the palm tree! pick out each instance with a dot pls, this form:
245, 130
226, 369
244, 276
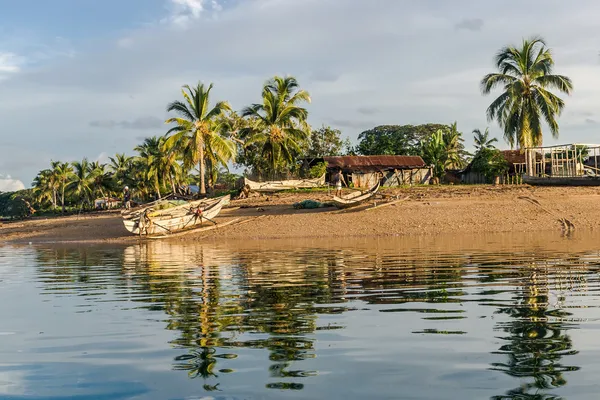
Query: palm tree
197, 131
280, 127
482, 140
454, 148
63, 172
148, 155
526, 76
82, 181
45, 188
121, 166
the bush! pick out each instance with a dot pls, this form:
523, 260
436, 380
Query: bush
490, 163
15, 205
317, 170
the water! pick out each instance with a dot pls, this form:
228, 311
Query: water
486, 317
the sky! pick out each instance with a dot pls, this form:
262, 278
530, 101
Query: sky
88, 78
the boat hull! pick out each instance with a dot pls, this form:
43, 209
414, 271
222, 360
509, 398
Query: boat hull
274, 186
562, 181
175, 219
355, 199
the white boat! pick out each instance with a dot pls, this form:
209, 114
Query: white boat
355, 198
165, 218
273, 186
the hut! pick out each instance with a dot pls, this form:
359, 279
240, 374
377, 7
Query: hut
365, 171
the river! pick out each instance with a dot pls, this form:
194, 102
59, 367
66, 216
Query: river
453, 317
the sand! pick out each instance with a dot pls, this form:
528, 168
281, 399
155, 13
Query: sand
425, 211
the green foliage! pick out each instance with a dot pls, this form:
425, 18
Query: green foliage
396, 139
433, 152
525, 74
16, 205
317, 170
197, 134
325, 141
444, 150
278, 129
490, 163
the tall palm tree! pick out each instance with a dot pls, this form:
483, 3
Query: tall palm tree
280, 127
45, 187
197, 131
482, 140
526, 77
148, 156
121, 166
454, 148
82, 181
63, 172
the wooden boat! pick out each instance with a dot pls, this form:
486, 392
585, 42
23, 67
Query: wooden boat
562, 181
274, 186
154, 219
355, 198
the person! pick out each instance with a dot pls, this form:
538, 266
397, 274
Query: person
126, 197
338, 178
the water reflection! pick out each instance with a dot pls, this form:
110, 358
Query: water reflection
264, 315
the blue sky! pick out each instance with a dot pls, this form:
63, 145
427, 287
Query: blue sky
87, 78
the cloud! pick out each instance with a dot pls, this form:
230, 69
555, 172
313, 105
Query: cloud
591, 121
367, 110
324, 76
184, 12
9, 64
470, 24
7, 184
347, 123
406, 61
143, 123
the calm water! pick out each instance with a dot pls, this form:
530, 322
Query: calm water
463, 318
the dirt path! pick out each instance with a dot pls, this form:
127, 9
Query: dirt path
425, 211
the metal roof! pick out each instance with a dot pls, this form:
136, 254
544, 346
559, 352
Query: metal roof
374, 162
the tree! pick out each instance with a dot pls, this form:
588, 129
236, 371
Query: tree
526, 77
433, 151
63, 172
454, 150
198, 132
279, 128
396, 139
489, 162
82, 181
482, 140
325, 141
121, 166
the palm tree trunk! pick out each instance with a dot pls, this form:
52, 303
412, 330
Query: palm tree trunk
202, 167
62, 198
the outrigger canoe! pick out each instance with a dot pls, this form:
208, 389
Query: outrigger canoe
274, 186
355, 198
166, 217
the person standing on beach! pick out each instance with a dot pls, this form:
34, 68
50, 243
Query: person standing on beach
126, 197
337, 179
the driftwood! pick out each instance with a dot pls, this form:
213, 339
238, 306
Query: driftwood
390, 203
567, 225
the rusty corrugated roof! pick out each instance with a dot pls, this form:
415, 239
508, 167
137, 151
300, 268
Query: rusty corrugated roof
517, 156
374, 162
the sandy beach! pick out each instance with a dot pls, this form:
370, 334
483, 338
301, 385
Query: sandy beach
423, 211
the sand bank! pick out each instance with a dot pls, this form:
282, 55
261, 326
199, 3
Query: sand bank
427, 211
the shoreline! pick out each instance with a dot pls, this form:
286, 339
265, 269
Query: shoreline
426, 211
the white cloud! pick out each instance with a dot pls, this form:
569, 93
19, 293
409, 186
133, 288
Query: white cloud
7, 184
9, 64
184, 12
398, 63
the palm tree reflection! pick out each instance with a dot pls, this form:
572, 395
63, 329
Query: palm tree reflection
536, 341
